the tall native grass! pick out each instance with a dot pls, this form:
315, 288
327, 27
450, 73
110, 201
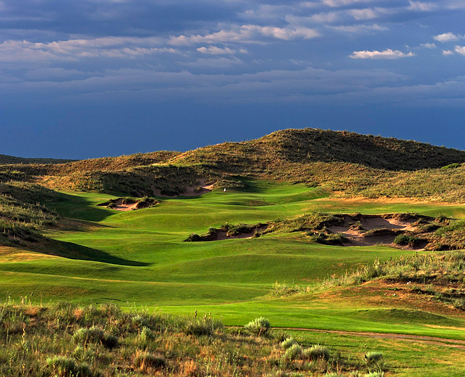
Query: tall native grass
69, 340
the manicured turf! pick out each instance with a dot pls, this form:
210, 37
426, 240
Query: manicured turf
138, 258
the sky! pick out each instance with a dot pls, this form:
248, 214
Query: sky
93, 78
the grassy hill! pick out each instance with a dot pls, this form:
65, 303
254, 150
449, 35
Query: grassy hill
5, 159
314, 145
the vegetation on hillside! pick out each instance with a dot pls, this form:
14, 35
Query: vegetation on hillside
4, 159
71, 341
436, 276
343, 163
22, 211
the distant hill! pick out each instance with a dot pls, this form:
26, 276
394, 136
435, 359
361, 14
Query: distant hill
315, 145
338, 161
7, 160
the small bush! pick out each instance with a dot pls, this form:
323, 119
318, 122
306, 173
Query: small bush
375, 360
406, 240
95, 335
146, 334
65, 367
330, 239
146, 360
194, 237
202, 327
316, 352
289, 342
82, 354
139, 321
293, 352
259, 326
109, 341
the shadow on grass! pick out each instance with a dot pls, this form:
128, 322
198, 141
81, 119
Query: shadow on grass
80, 208
71, 250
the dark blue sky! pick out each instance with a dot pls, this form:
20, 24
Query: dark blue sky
91, 78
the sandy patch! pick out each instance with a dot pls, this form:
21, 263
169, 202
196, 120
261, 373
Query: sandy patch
119, 206
355, 230
122, 204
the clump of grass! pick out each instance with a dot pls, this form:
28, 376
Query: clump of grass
259, 326
146, 360
329, 239
202, 327
95, 335
293, 352
146, 334
407, 240
66, 367
375, 361
287, 343
316, 352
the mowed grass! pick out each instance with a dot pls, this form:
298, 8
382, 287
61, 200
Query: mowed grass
139, 259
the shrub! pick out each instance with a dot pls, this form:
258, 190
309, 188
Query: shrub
406, 240
202, 327
293, 352
259, 326
139, 321
82, 354
146, 334
109, 341
331, 239
289, 342
147, 360
95, 335
316, 352
375, 360
65, 367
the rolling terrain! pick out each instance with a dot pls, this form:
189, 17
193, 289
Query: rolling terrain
277, 203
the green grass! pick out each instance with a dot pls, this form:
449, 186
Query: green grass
138, 259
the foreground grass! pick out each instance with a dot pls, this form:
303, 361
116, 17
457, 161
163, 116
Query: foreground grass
68, 340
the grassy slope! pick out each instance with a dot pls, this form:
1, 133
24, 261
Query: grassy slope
138, 258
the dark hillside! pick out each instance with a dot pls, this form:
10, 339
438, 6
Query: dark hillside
314, 145
4, 159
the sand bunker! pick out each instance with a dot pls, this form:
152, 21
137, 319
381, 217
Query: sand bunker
195, 190
128, 204
224, 233
366, 230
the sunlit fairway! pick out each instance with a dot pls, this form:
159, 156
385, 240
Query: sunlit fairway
139, 259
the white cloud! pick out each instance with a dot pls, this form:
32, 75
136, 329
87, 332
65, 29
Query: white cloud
455, 4
421, 7
246, 33
386, 54
288, 33
447, 52
364, 14
430, 46
214, 50
74, 49
360, 28
322, 17
342, 3
460, 50
446, 37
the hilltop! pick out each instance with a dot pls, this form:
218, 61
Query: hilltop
314, 145
5, 159
338, 161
